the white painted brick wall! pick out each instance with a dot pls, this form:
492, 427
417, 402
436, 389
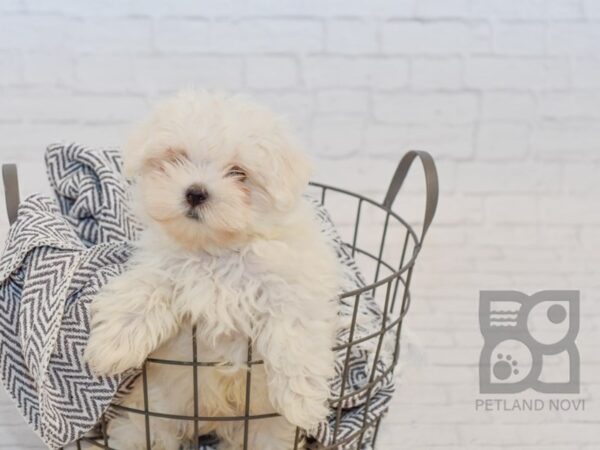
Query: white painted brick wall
504, 93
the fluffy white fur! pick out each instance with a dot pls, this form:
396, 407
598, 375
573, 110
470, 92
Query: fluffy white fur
249, 262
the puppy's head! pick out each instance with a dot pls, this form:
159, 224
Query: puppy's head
214, 170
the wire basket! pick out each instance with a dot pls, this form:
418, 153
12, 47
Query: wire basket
388, 256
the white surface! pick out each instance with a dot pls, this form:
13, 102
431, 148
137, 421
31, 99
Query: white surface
504, 93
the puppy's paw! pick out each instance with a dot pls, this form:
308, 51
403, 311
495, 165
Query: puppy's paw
302, 401
306, 413
109, 353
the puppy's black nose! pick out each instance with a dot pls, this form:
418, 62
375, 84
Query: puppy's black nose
196, 195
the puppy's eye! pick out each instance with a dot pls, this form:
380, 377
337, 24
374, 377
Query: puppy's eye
175, 156
237, 172
168, 157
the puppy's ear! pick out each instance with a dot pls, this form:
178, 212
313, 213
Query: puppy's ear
283, 172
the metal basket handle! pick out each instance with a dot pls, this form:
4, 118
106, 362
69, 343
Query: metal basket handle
431, 182
11, 190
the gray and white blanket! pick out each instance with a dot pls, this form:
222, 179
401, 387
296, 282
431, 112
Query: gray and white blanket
58, 255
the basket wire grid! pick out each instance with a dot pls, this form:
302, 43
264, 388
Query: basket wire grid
385, 287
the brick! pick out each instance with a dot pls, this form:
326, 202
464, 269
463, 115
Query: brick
386, 140
359, 174
590, 235
351, 36
261, 35
468, 338
10, 70
443, 9
424, 395
482, 434
342, 101
436, 339
519, 38
507, 106
111, 35
443, 141
564, 235
388, 73
586, 73
337, 136
556, 141
454, 357
21, 437
447, 235
501, 9
458, 210
565, 9
55, 69
36, 106
76, 8
581, 178
271, 72
448, 414
591, 9
574, 38
43, 33
168, 73
435, 37
182, 8
518, 73
449, 108
341, 72
569, 105
385, 8
417, 435
502, 141
452, 375
482, 178
12, 6
297, 108
436, 73
182, 36
511, 209
551, 434
331, 8
105, 73
59, 106
108, 109
28, 142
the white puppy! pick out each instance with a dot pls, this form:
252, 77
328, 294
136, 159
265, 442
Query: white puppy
231, 247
